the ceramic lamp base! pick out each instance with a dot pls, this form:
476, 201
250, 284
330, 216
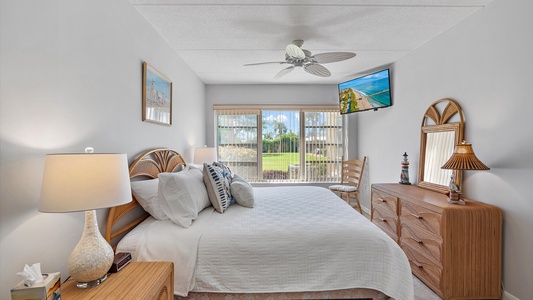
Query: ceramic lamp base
93, 256
90, 284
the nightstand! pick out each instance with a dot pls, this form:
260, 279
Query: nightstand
138, 280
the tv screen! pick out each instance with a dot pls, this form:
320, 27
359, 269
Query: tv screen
371, 91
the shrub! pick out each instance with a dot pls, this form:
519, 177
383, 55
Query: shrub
237, 154
275, 174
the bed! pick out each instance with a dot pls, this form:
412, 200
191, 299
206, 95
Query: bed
296, 242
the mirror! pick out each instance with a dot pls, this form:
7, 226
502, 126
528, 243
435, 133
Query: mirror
439, 135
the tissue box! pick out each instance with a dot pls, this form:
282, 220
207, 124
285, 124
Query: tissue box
49, 289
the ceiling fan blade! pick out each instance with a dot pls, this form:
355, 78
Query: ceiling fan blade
295, 51
264, 63
298, 43
317, 70
329, 57
284, 72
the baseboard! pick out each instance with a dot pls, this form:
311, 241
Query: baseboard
508, 296
365, 210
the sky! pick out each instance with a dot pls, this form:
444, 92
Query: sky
291, 119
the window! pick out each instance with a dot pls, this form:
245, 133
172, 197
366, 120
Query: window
281, 145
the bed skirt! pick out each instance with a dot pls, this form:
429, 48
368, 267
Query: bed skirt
357, 293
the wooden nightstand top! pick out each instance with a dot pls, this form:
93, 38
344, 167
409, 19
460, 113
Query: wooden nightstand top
138, 280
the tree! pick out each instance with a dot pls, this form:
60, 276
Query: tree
289, 142
279, 127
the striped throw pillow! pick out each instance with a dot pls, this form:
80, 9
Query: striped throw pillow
217, 180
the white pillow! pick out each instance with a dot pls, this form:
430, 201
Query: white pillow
182, 196
146, 193
242, 191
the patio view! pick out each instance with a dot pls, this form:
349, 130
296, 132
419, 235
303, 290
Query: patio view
281, 145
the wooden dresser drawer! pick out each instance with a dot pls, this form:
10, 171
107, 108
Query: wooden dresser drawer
425, 269
384, 213
385, 202
422, 217
386, 222
421, 241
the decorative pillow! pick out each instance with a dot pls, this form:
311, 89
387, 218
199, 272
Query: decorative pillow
242, 191
226, 172
182, 196
217, 179
146, 193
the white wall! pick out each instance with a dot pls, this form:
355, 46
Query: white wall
70, 78
485, 64
273, 94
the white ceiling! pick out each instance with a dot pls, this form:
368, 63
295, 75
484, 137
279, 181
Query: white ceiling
216, 38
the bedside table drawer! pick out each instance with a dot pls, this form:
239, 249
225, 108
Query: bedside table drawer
163, 287
137, 280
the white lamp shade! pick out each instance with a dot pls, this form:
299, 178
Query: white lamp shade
204, 155
79, 182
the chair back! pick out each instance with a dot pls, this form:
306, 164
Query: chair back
352, 171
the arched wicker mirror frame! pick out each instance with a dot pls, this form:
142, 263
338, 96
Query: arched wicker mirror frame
441, 120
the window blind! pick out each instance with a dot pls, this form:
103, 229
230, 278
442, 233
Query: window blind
284, 144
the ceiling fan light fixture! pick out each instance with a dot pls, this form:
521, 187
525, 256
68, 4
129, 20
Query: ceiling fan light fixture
295, 51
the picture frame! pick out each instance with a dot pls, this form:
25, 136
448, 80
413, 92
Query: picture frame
156, 96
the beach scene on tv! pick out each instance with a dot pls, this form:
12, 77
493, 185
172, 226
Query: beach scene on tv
368, 92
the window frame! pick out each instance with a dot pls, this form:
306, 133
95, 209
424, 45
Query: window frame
301, 109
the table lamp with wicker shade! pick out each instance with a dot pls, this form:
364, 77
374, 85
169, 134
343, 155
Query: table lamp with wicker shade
463, 158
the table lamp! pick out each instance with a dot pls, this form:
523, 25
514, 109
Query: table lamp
204, 155
85, 182
463, 158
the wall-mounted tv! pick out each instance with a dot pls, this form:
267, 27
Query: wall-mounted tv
368, 92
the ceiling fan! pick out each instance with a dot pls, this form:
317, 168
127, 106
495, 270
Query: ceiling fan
298, 57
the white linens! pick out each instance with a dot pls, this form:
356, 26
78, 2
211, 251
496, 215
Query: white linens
294, 239
155, 240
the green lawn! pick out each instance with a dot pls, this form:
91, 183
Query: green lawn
281, 161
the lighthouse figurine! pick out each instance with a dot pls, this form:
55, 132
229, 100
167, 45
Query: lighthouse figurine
404, 176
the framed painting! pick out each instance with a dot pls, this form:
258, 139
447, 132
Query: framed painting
157, 96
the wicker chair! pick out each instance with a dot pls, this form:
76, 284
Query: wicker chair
352, 172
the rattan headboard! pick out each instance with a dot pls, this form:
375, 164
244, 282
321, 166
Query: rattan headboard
148, 165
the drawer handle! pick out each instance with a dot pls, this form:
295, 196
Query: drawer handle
417, 216
417, 240
383, 220
382, 199
418, 264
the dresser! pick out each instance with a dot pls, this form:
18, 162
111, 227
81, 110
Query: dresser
138, 280
456, 250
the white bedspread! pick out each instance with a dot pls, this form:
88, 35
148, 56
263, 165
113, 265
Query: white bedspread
294, 239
